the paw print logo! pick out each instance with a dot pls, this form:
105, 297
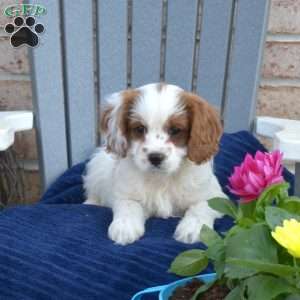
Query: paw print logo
24, 31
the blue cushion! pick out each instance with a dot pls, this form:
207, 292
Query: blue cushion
58, 249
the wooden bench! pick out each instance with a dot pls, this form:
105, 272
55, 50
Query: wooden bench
93, 48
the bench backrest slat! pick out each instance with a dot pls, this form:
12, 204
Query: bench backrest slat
79, 79
213, 56
49, 97
146, 37
180, 41
244, 64
112, 46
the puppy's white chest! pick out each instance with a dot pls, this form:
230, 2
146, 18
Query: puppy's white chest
165, 200
159, 204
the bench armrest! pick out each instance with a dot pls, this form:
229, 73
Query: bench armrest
285, 134
11, 122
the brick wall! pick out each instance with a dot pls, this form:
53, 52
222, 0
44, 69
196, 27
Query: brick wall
15, 94
278, 95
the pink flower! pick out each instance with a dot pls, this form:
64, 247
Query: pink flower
256, 174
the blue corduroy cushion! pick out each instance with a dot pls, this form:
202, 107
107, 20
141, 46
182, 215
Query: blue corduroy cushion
58, 249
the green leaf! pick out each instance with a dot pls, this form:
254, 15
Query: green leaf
215, 248
189, 263
264, 287
235, 294
209, 236
275, 216
293, 297
246, 209
233, 230
259, 266
254, 243
270, 192
291, 204
245, 222
216, 253
203, 289
284, 257
224, 206
268, 196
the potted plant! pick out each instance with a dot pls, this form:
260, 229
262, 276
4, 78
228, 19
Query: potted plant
259, 257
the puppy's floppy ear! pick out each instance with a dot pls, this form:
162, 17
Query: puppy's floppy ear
104, 119
114, 121
206, 128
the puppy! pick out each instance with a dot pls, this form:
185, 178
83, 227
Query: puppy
157, 161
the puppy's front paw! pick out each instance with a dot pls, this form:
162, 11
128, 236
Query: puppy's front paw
124, 231
188, 230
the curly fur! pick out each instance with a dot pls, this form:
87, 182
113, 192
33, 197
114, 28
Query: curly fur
136, 124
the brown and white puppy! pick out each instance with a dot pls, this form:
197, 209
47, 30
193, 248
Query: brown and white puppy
157, 161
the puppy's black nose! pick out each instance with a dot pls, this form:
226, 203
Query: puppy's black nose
156, 158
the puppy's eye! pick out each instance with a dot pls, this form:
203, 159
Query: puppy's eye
174, 130
140, 129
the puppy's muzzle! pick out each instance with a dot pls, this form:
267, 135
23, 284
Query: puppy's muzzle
156, 158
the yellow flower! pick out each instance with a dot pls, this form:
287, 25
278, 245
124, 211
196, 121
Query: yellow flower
288, 236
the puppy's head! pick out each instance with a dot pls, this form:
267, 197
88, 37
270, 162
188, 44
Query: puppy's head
159, 125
